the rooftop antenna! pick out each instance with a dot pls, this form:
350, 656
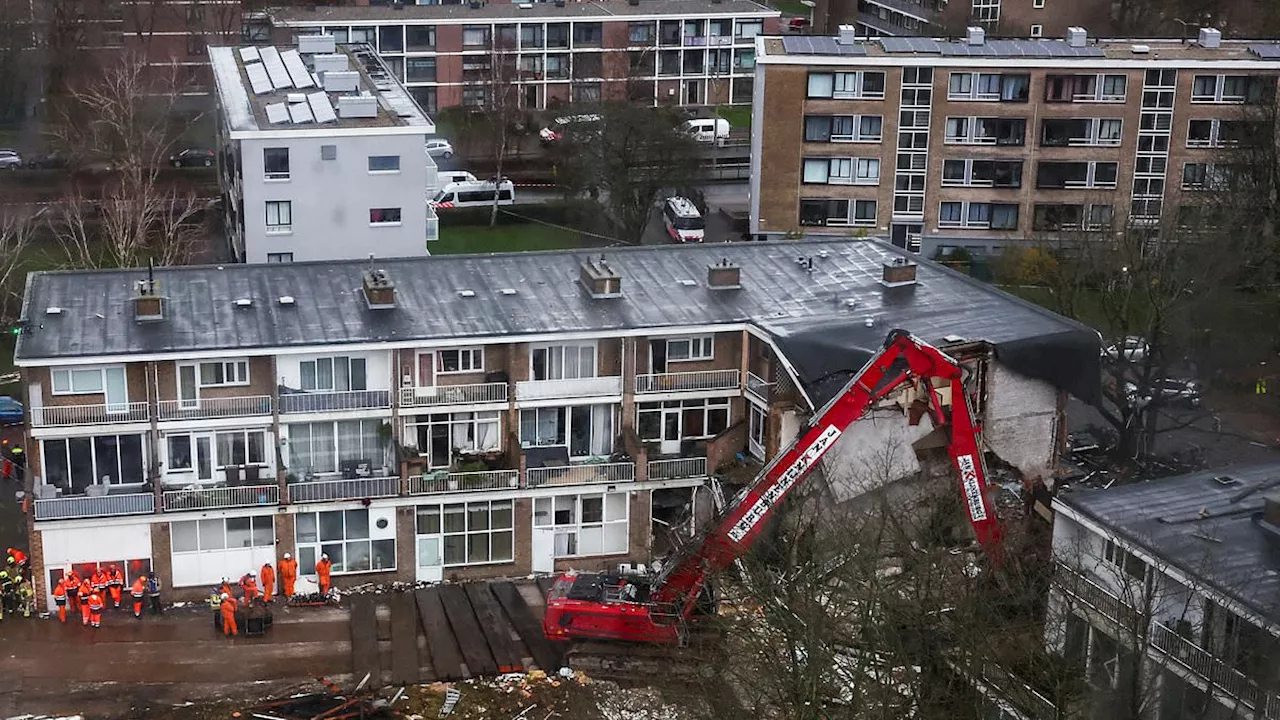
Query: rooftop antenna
151, 276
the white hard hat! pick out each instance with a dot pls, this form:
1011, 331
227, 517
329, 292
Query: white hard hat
287, 556
324, 556
225, 596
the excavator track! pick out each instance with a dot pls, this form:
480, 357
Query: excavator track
630, 662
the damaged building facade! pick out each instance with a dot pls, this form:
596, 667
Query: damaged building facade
475, 416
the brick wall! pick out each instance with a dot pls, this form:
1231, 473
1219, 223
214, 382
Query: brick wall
724, 447
262, 381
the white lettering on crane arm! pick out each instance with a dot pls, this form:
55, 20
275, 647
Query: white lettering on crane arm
773, 494
972, 487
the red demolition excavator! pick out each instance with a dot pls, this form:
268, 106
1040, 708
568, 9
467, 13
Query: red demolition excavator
655, 609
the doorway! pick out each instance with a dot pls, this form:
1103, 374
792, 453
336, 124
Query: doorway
670, 444
657, 356
906, 235
692, 96
430, 561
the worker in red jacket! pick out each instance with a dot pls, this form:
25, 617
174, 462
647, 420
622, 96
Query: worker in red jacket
323, 570
115, 584
228, 609
96, 603
268, 582
60, 598
86, 589
138, 589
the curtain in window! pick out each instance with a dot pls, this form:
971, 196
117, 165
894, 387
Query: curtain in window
462, 431
487, 431
601, 430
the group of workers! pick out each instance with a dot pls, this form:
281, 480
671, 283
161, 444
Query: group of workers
16, 593
251, 593
90, 594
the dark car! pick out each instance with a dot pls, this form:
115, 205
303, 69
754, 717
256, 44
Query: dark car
11, 411
193, 157
48, 161
1173, 391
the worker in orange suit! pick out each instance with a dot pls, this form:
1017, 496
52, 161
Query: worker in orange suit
228, 608
323, 570
288, 575
96, 603
115, 583
73, 589
268, 582
249, 587
99, 582
86, 590
60, 598
225, 588
138, 589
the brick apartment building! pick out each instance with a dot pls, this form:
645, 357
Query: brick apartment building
979, 143
472, 416
683, 52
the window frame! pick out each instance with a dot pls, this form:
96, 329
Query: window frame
69, 387
282, 209
317, 547
277, 175
382, 159
474, 360
701, 348
349, 361
422, 514
578, 523
550, 349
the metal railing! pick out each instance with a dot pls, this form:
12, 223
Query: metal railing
580, 474
203, 498
1210, 668
308, 402
214, 407
434, 483
453, 395
99, 414
433, 224
678, 468
1017, 691
1105, 602
572, 387
758, 387
345, 489
87, 506
686, 381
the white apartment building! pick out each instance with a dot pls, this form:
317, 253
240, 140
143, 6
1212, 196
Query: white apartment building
321, 155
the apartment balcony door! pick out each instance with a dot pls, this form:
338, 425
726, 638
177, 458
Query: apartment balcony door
670, 444
657, 356
426, 369
116, 390
692, 96
430, 561
188, 389
203, 461
543, 550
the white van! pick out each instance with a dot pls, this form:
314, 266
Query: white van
447, 177
708, 130
474, 194
682, 220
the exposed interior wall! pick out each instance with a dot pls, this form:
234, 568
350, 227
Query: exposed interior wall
1021, 421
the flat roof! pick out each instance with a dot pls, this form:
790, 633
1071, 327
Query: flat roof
250, 109
616, 10
1205, 529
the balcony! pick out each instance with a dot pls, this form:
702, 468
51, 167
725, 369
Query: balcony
344, 489
212, 408
101, 414
225, 497
90, 506
312, 402
453, 395
447, 482
1212, 671
1090, 593
433, 224
569, 388
678, 468
590, 474
758, 387
687, 381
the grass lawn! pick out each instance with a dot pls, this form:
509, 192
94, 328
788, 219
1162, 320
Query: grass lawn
739, 116
8, 137
502, 238
792, 7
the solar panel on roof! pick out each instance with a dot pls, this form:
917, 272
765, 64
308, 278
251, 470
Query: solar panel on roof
248, 54
297, 69
909, 45
819, 45
277, 113
1011, 48
1266, 52
275, 68
300, 113
321, 108
258, 78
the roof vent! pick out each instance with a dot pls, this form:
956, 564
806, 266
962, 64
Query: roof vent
1226, 480
314, 44
600, 279
333, 62
898, 272
848, 35
467, 293
508, 291
1140, 49
286, 300
1077, 37
357, 106
724, 275
53, 310
1210, 38
975, 35
379, 291
147, 303
296, 97
244, 302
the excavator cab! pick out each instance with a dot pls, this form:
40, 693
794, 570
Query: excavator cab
602, 587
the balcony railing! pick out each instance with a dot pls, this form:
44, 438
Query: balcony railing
215, 407
433, 225
88, 506
1212, 670
598, 473
570, 388
758, 387
453, 395
309, 402
694, 467
345, 489
1107, 603
432, 484
204, 498
101, 414
686, 381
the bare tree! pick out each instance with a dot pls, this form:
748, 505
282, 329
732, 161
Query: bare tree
501, 109
18, 229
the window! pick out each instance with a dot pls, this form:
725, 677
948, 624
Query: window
748, 29
982, 173
985, 131
687, 349
330, 374
562, 362
843, 128
474, 36
1004, 216
1071, 217
224, 372
275, 163
542, 426
1085, 88
279, 216
841, 171
283, 257
1132, 565
391, 39
1059, 175
591, 524
472, 533
587, 430
978, 214
384, 163
1009, 87
1081, 131
986, 11
693, 419
384, 216
323, 447
420, 37
866, 85
1228, 88
640, 32
1038, 4
192, 536
419, 69
1037, 30
87, 381
343, 535
440, 436
240, 447
460, 360
530, 36
836, 213
587, 34
76, 463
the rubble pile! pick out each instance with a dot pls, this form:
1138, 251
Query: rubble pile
637, 704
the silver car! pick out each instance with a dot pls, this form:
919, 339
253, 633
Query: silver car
10, 160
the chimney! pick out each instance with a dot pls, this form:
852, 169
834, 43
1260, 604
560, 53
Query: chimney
1210, 38
147, 303
848, 35
976, 35
379, 291
599, 279
898, 272
1077, 37
724, 275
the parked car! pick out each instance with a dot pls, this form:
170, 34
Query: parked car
1173, 391
796, 24
10, 159
439, 148
708, 130
48, 161
193, 157
445, 177
11, 411
1133, 348
556, 130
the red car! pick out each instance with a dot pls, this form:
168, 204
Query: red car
796, 24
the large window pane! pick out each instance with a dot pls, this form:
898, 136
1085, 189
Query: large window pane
107, 454
384, 554
357, 524
334, 551
477, 516
501, 544
454, 549
455, 520
239, 533
264, 534
306, 528
184, 536
357, 556
429, 520
478, 548
212, 535
331, 526
501, 516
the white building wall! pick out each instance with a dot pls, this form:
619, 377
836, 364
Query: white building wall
1021, 420
377, 368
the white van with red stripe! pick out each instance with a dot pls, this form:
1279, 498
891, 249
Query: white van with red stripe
474, 194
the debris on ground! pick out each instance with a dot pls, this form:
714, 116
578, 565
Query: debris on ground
333, 703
